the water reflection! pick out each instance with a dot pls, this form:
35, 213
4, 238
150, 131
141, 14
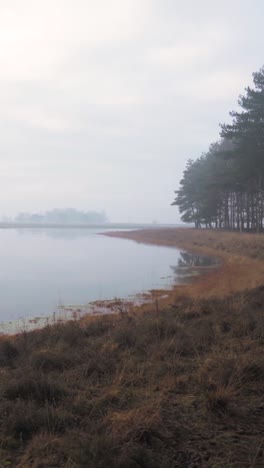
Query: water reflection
60, 233
188, 260
52, 271
70, 233
190, 265
42, 269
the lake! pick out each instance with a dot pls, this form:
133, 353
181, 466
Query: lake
43, 269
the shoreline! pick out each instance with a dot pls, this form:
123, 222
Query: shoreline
140, 300
235, 273
241, 256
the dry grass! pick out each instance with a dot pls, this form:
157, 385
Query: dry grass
178, 386
201, 240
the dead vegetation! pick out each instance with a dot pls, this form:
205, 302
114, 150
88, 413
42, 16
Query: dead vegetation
203, 240
173, 386
179, 388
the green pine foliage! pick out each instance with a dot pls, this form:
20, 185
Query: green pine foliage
224, 188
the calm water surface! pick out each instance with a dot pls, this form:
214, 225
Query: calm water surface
43, 269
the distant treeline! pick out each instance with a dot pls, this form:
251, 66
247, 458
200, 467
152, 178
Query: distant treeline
61, 216
224, 188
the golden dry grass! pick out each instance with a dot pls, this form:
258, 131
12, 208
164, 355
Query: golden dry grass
182, 388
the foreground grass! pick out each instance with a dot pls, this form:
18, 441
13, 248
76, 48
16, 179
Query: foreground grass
177, 387
180, 388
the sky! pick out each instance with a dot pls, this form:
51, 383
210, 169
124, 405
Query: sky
103, 102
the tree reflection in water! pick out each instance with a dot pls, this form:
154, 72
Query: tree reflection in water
190, 265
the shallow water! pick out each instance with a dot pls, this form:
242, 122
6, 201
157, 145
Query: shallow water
42, 269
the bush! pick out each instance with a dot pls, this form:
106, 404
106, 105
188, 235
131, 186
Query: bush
44, 450
125, 336
34, 388
24, 419
98, 327
51, 360
218, 401
72, 334
98, 367
8, 352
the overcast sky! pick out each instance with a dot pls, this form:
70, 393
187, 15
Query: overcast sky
103, 102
